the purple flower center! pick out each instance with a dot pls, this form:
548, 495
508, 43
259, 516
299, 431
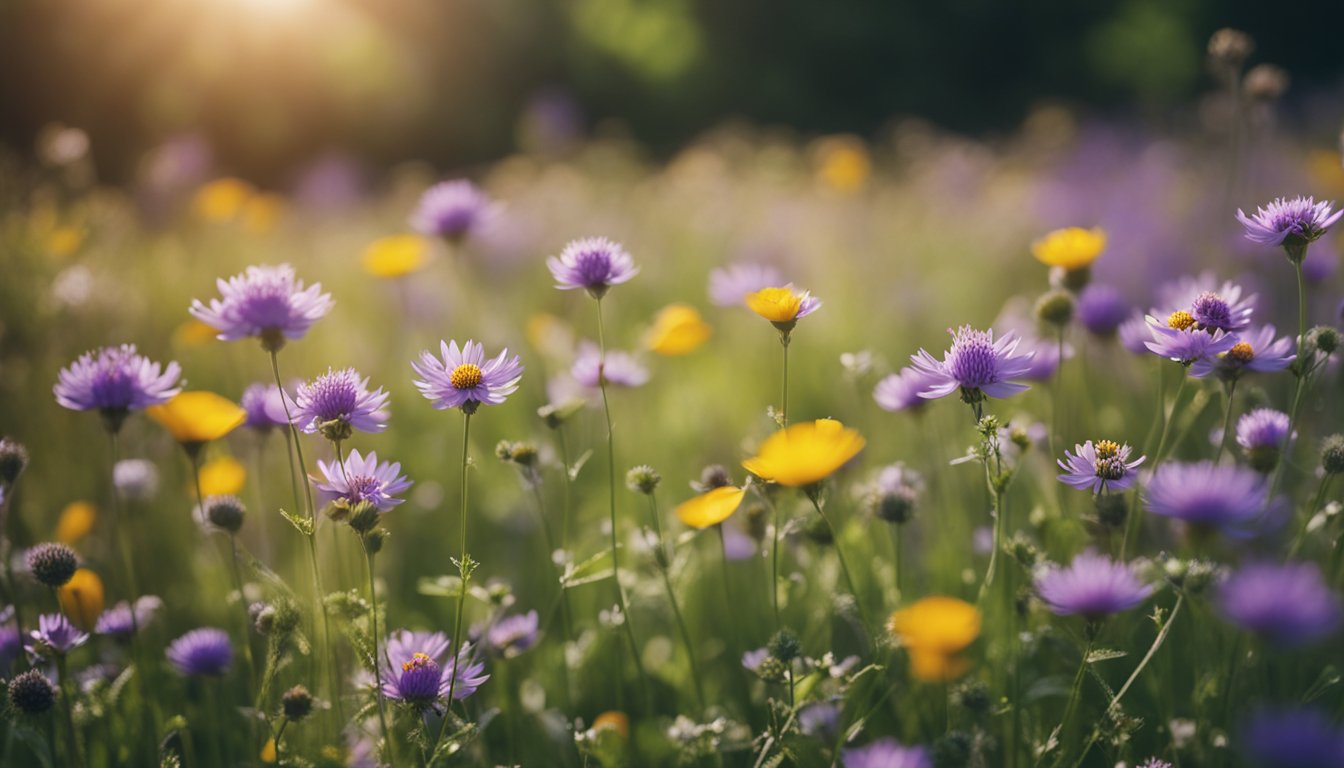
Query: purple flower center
267, 304
594, 267
419, 679
334, 396
973, 360
113, 386
1211, 311
364, 488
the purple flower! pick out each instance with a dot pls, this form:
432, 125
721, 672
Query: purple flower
1262, 434
266, 302
1134, 334
1291, 223
1213, 312
1288, 604
11, 640
119, 622
338, 401
512, 635
820, 719
1102, 309
55, 635
976, 364
1092, 585
1044, 358
1185, 293
1300, 738
752, 660
887, 753
900, 391
464, 379
1101, 467
1182, 342
594, 264
1207, 494
729, 286
363, 479
618, 368
116, 381
202, 652
413, 672
452, 210
265, 407
1256, 351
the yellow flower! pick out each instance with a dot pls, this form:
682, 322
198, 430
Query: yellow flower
1071, 248
678, 329
395, 256
805, 453
193, 333
76, 521
195, 418
223, 476
613, 720
936, 630
268, 752
710, 508
261, 213
843, 163
778, 305
222, 199
82, 599
63, 241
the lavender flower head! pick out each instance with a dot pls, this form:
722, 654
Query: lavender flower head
363, 479
1256, 351
1180, 339
119, 622
976, 364
752, 660
594, 264
1302, 738
267, 302
265, 407
618, 368
1185, 294
136, 479
414, 671
1207, 494
338, 402
1093, 586
1289, 604
1134, 334
512, 635
1102, 309
820, 719
729, 286
1262, 434
55, 636
1104, 466
886, 753
900, 391
452, 210
115, 381
202, 652
464, 378
1292, 224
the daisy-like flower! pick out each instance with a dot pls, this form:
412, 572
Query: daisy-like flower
711, 507
1071, 249
464, 378
1093, 586
451, 210
267, 302
119, 621
1104, 466
512, 635
935, 630
1101, 309
1256, 351
1213, 312
1299, 738
1184, 294
591, 368
339, 402
413, 671
1292, 224
55, 636
783, 306
196, 418
1134, 334
1179, 340
594, 264
202, 652
677, 330
886, 753
1207, 494
805, 453
1288, 604
115, 381
977, 365
265, 408
1262, 434
900, 391
729, 286
363, 479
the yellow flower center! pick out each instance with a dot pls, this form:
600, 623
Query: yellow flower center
465, 376
417, 660
1181, 320
1107, 449
778, 305
1241, 352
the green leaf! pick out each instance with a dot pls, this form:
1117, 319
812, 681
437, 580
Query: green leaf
301, 523
440, 586
35, 742
1104, 654
578, 465
595, 568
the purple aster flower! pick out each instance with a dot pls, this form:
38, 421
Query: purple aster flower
55, 635
730, 285
1288, 604
820, 719
900, 391
1300, 738
1205, 299
265, 407
1212, 312
1256, 351
413, 672
594, 264
119, 622
115, 381
1101, 467
1134, 334
264, 301
1093, 585
11, 641
752, 660
1102, 309
337, 402
1207, 494
618, 368
202, 652
136, 479
464, 378
887, 753
451, 210
363, 479
1044, 358
976, 364
1180, 341
512, 635
1263, 434
1290, 223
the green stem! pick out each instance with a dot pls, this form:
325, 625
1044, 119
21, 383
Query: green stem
1073, 701
1303, 371
247, 620
1135, 512
463, 568
784, 395
840, 555
378, 669
1227, 421
67, 710
676, 610
1311, 512
564, 593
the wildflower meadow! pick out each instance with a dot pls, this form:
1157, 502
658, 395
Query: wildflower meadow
902, 451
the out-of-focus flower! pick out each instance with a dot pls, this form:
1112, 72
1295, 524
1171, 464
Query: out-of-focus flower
512, 635
805, 453
1289, 604
413, 670
193, 333
1134, 334
678, 329
892, 495
1298, 738
935, 630
594, 264
976, 364
464, 378
222, 513
363, 479
31, 693
1179, 340
395, 256
782, 306
202, 652
843, 163
119, 621
1104, 466
613, 721
591, 368
222, 476
196, 418
451, 210
267, 302
76, 521
1071, 248
900, 391
115, 381
265, 406
1292, 224
338, 402
82, 599
1256, 351
222, 199
711, 507
262, 213
1093, 586
136, 479
1207, 494
730, 286
55, 635
1263, 433
1102, 309
887, 753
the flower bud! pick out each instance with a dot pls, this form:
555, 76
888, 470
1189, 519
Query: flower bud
13, 460
296, 703
711, 477
225, 512
1332, 454
52, 564
643, 479
31, 693
1055, 308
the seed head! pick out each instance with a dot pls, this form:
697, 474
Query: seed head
225, 512
1055, 308
643, 479
13, 460
297, 703
1332, 455
52, 564
32, 693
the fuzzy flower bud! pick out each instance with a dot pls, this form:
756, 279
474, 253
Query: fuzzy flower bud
225, 512
32, 693
785, 645
52, 564
1332, 454
1055, 308
297, 703
13, 460
1228, 48
642, 479
711, 477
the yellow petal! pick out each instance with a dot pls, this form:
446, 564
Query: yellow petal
222, 199
76, 521
934, 667
805, 453
82, 599
678, 329
937, 624
613, 720
1070, 248
395, 256
198, 417
778, 305
710, 508
63, 241
843, 163
223, 476
194, 333
268, 752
